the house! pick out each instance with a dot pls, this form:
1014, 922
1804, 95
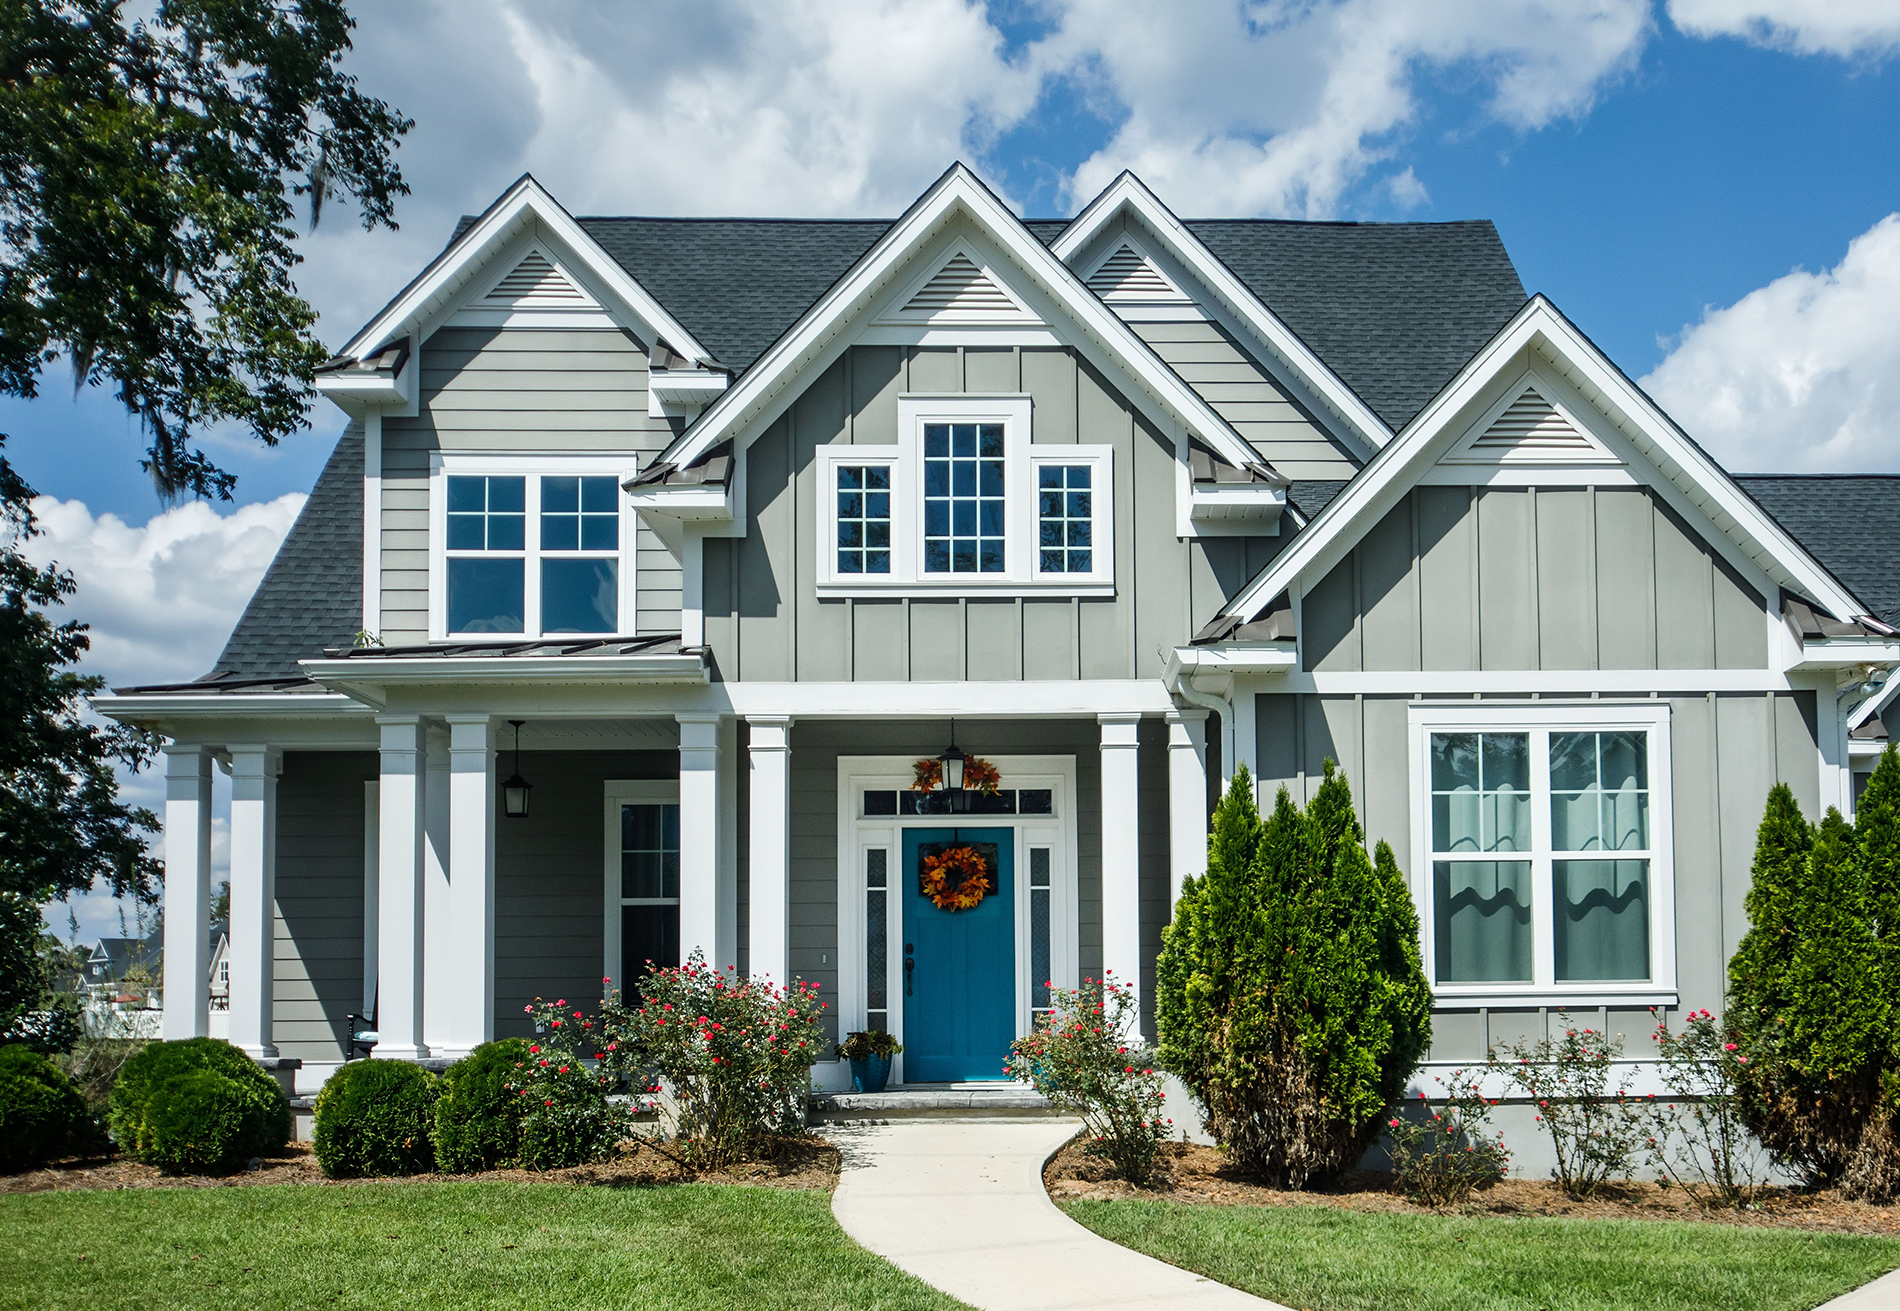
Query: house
121, 984
691, 543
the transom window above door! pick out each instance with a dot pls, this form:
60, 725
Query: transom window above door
965, 502
528, 554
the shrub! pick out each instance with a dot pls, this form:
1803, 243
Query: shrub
566, 1117
249, 1118
1805, 990
42, 1116
373, 1118
735, 1053
477, 1117
1873, 1172
1594, 1132
1079, 1058
1441, 1156
1289, 995
1701, 1140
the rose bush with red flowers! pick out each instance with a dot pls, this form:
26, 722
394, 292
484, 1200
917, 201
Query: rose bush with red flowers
1442, 1154
564, 1087
1595, 1131
735, 1054
1699, 1139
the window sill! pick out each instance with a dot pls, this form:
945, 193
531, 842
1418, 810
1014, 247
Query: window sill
1579, 998
912, 587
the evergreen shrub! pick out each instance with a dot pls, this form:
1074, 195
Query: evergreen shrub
205, 1125
42, 1116
1290, 998
477, 1117
1806, 993
374, 1118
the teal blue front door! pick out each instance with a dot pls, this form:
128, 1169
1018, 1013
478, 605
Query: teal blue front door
959, 965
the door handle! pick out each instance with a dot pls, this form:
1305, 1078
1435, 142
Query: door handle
910, 963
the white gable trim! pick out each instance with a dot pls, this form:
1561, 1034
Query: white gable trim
1694, 479
766, 389
524, 208
1260, 323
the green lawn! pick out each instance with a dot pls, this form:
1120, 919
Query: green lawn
518, 1246
1326, 1259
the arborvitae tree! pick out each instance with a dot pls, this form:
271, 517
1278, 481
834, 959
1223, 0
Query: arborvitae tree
1804, 992
1874, 1172
1290, 997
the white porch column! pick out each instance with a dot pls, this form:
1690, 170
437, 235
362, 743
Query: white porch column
770, 865
440, 948
1187, 800
700, 837
1121, 849
469, 1009
728, 842
187, 890
399, 870
254, 771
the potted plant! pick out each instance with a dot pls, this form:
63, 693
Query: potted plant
870, 1052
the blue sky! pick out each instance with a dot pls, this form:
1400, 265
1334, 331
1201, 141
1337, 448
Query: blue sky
1703, 185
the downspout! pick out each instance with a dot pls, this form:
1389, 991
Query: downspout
1222, 706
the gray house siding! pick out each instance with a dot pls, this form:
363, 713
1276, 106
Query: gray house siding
1573, 578
765, 621
503, 391
317, 972
1727, 749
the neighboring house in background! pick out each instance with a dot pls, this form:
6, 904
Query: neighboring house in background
218, 1000
122, 984
711, 529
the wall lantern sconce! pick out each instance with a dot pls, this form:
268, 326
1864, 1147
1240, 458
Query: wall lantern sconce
952, 761
514, 791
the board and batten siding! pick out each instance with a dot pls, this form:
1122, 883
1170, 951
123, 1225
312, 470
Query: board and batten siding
1242, 392
518, 391
1456, 578
765, 621
317, 966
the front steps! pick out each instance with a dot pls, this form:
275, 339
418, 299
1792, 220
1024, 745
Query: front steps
931, 1101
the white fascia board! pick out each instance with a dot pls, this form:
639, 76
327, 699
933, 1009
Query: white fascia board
1249, 659
757, 394
129, 707
1541, 328
396, 671
518, 209
1131, 193
1846, 653
689, 504
1067, 699
1865, 748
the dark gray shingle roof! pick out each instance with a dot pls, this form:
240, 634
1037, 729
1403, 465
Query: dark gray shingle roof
311, 597
1849, 522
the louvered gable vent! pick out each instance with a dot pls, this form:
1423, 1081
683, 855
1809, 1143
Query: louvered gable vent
1531, 424
960, 286
536, 284
1128, 275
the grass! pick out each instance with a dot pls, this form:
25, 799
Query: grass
463, 1245
1327, 1259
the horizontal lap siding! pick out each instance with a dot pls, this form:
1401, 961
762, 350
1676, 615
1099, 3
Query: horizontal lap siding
1727, 750
764, 620
1506, 578
509, 391
317, 973
1246, 395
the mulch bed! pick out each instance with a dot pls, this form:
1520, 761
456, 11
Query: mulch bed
1203, 1175
806, 1161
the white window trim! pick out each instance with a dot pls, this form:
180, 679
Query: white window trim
859, 833
620, 792
905, 458
444, 465
1542, 718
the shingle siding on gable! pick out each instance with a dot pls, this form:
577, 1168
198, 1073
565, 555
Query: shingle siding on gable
516, 390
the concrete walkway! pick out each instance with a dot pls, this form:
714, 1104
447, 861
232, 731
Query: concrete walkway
1881, 1295
960, 1204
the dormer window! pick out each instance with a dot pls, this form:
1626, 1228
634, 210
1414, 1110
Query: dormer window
965, 502
528, 554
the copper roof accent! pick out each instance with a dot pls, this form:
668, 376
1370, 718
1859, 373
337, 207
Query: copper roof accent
1206, 467
654, 644
1811, 625
1275, 624
387, 361
713, 470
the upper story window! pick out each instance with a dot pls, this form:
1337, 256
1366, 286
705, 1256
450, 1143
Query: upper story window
965, 502
528, 554
1545, 860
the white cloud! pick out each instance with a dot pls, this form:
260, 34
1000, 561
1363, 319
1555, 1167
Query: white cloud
160, 597
1846, 28
1281, 108
1802, 374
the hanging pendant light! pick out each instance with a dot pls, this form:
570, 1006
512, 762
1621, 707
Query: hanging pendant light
952, 761
515, 789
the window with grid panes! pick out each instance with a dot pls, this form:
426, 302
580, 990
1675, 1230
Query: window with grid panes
864, 519
1064, 519
964, 524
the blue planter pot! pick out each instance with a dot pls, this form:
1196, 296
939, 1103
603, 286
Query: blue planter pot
869, 1074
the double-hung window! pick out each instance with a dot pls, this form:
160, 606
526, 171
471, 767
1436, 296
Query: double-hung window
531, 554
1544, 867
965, 501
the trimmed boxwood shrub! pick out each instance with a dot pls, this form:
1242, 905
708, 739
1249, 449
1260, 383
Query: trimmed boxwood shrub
207, 1124
374, 1118
1289, 995
477, 1118
42, 1116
